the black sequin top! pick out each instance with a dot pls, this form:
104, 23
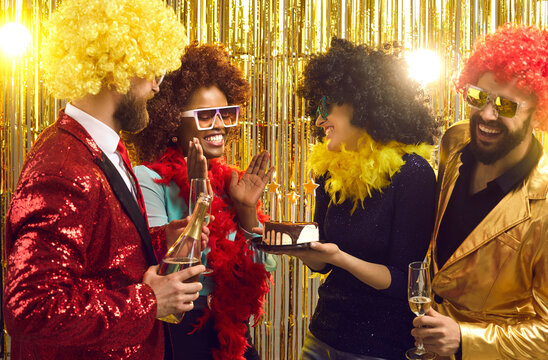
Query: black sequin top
392, 229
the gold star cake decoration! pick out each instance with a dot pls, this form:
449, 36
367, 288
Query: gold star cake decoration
292, 197
310, 187
273, 187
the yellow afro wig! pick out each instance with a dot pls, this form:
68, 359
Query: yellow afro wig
95, 43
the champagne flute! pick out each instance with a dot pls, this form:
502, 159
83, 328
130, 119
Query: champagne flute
197, 187
419, 294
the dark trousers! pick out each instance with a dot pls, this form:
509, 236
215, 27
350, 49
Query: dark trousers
199, 345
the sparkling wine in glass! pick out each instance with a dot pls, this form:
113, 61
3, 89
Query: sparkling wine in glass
198, 186
419, 294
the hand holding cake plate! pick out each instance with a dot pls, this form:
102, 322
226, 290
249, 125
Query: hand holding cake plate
314, 254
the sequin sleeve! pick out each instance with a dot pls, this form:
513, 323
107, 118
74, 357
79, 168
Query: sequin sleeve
71, 278
158, 237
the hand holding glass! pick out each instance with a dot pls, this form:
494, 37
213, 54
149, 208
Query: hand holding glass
419, 293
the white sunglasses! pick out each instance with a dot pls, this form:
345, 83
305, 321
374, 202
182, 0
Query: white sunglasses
159, 79
205, 118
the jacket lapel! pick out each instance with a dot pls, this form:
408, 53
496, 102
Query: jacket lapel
512, 210
449, 180
495, 223
129, 204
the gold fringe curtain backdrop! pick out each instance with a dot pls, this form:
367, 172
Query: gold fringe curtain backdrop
26, 107
271, 41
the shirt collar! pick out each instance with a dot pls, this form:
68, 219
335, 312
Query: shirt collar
104, 136
514, 175
519, 171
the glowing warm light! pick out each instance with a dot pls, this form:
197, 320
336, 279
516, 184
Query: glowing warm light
14, 39
424, 65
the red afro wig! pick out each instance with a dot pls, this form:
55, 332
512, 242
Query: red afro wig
513, 52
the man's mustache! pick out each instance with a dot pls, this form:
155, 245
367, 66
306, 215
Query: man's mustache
497, 124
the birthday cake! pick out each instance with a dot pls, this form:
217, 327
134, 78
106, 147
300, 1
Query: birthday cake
289, 233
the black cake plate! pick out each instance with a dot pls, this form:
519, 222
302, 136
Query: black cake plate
257, 243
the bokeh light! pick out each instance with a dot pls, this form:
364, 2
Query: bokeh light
14, 39
424, 65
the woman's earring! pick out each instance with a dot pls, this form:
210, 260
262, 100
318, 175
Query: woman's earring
174, 139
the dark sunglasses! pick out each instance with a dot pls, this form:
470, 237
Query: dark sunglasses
205, 118
322, 108
479, 98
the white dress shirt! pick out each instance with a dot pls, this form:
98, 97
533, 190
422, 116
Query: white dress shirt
105, 137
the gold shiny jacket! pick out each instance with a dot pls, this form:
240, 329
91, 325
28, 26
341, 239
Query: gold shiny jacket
495, 285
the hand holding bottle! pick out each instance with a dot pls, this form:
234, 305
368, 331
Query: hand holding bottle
173, 294
185, 253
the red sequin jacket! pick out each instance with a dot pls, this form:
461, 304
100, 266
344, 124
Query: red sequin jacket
77, 247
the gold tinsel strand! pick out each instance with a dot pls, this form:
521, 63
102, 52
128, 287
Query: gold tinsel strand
270, 40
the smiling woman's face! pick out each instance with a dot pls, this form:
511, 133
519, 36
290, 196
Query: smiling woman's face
212, 141
338, 129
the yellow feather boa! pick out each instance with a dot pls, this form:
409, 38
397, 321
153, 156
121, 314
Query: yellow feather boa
355, 175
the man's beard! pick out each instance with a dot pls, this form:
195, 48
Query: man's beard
131, 113
507, 142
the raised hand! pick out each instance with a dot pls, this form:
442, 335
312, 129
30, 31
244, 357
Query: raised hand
246, 191
196, 162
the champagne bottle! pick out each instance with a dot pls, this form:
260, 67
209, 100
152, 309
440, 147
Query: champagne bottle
186, 251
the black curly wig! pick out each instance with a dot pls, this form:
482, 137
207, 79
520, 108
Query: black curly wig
387, 103
201, 66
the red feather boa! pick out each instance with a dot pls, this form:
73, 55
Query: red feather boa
240, 284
